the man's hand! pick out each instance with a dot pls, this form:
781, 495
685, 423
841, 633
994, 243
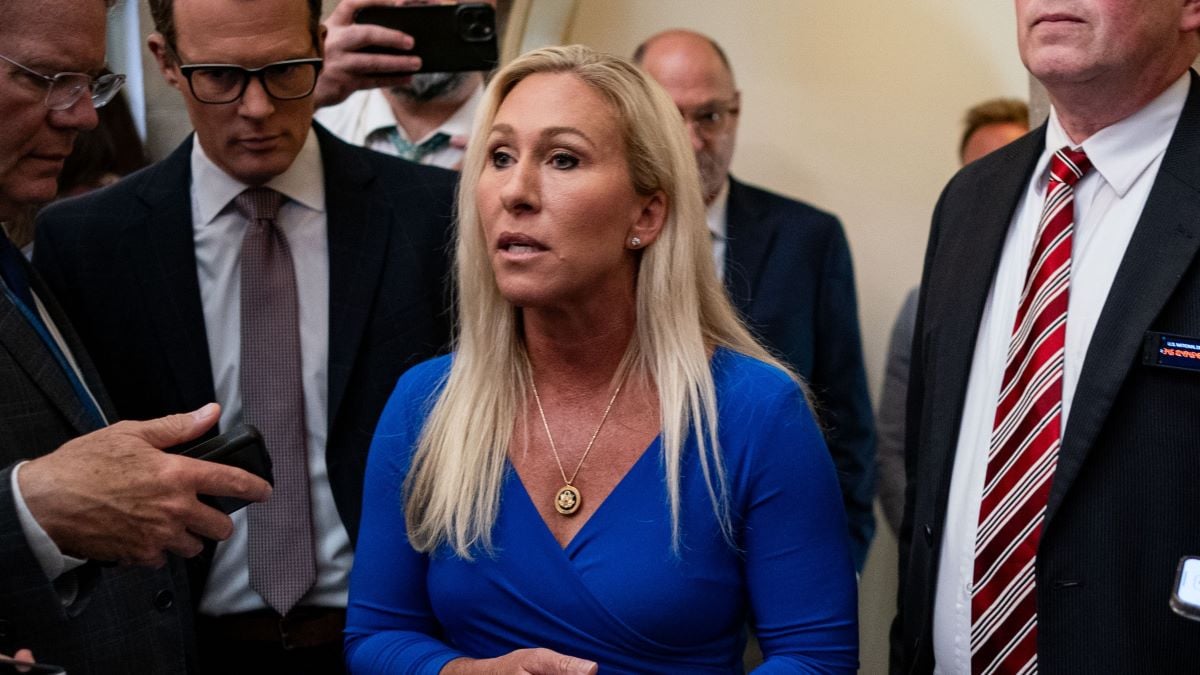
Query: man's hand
113, 495
523, 662
22, 656
347, 68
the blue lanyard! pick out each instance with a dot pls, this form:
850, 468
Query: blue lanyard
81, 391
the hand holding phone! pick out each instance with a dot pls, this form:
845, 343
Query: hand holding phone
115, 495
448, 38
348, 68
241, 447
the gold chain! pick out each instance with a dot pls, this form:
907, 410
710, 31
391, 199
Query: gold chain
546, 426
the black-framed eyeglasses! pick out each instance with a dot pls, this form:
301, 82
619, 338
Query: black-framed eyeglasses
219, 83
63, 90
712, 117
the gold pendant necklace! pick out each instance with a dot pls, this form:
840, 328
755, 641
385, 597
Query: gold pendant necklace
568, 499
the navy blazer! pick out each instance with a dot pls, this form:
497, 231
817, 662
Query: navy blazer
788, 271
1124, 503
122, 261
120, 615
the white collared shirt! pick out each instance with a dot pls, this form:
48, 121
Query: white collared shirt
1108, 203
718, 226
218, 229
366, 117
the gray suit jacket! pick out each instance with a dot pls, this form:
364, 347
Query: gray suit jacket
122, 619
889, 422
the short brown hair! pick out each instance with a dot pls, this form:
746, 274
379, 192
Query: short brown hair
163, 13
993, 111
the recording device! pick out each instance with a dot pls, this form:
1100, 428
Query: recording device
241, 447
11, 666
448, 38
1185, 598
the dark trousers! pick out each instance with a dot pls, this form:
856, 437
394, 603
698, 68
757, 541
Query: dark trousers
308, 641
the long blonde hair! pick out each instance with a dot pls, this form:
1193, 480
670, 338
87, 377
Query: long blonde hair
452, 492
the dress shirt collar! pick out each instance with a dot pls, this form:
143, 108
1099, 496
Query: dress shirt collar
1121, 152
303, 182
718, 212
378, 117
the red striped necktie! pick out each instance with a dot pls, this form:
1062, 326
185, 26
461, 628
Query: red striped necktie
1026, 437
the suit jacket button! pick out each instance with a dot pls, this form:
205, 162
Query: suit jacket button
928, 534
164, 600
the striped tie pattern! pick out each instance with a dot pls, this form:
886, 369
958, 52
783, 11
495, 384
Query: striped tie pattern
1026, 436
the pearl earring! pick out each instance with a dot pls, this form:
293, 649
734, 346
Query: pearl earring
635, 242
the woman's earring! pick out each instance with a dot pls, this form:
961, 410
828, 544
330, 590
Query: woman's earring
635, 242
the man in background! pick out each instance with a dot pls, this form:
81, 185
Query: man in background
991, 125
75, 492
272, 267
1051, 450
988, 126
422, 117
785, 264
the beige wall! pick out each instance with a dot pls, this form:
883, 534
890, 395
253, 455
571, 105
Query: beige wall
853, 106
856, 107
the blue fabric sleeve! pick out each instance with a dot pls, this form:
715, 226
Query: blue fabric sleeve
390, 626
799, 572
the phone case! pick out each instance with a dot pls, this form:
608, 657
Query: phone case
241, 447
448, 38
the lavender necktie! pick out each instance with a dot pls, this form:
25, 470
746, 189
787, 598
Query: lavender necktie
282, 563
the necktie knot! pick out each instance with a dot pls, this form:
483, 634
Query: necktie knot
1068, 166
415, 152
259, 204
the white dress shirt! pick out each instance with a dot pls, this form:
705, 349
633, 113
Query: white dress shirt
366, 117
718, 226
218, 229
1108, 203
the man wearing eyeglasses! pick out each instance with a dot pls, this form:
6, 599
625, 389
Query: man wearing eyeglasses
280, 271
75, 491
785, 264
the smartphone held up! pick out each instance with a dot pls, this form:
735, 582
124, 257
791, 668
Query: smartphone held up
448, 38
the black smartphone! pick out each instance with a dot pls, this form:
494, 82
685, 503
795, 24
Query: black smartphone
241, 447
448, 38
10, 665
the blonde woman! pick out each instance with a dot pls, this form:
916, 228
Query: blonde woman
609, 471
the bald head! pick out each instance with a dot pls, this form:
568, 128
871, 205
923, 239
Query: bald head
695, 72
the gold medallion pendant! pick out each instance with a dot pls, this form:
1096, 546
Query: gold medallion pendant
568, 500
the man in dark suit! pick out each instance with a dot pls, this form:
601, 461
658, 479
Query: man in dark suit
785, 264
71, 492
1052, 454
289, 275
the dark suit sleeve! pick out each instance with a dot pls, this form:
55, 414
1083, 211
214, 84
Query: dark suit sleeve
29, 602
839, 382
905, 631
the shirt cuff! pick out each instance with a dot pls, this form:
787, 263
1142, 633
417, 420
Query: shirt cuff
53, 561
